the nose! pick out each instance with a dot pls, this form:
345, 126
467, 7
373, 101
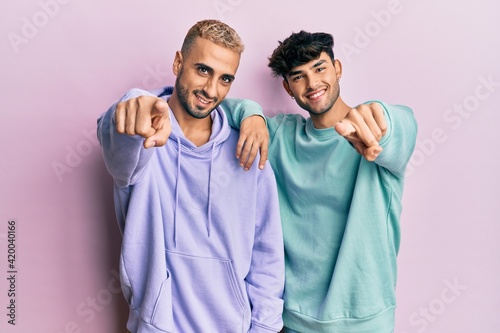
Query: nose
312, 83
210, 88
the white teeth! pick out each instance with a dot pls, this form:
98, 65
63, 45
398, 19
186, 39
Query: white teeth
202, 100
317, 94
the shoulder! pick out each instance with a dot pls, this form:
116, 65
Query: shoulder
286, 119
235, 104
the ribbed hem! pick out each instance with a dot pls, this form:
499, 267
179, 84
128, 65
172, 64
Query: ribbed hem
136, 325
382, 322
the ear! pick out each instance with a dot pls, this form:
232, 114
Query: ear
287, 88
177, 65
338, 68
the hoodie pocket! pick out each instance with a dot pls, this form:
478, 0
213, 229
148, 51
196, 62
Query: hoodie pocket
209, 287
125, 283
162, 316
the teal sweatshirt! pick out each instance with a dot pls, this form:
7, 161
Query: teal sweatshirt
340, 217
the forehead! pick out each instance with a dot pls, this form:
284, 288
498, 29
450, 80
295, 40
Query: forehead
221, 59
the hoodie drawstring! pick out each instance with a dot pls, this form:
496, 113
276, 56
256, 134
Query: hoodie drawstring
209, 205
209, 209
177, 189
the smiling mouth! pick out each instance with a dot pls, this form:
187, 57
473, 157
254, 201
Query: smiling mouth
202, 100
316, 95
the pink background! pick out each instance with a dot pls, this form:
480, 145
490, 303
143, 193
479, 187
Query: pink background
64, 62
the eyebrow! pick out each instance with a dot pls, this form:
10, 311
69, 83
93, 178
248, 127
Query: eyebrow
208, 68
211, 70
317, 64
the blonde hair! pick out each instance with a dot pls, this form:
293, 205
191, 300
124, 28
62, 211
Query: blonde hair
215, 31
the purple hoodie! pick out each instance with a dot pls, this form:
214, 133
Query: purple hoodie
202, 243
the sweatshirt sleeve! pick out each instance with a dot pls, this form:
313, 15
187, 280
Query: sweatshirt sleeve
124, 155
399, 141
237, 110
266, 277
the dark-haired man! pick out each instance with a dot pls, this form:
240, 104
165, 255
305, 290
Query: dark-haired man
340, 212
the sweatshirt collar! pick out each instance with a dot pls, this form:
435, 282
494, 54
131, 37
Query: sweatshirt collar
320, 134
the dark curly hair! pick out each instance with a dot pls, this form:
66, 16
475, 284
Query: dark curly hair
298, 49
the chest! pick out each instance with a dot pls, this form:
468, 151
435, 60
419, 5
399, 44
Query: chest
315, 172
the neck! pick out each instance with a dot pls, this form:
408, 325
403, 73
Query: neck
196, 130
328, 119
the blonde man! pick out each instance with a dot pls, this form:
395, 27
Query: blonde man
202, 242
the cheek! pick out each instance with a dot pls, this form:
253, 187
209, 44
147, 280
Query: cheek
192, 78
223, 90
333, 79
299, 86
297, 90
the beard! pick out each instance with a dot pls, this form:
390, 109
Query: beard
324, 108
183, 95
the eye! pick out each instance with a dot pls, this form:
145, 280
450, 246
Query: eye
227, 80
296, 78
203, 70
321, 69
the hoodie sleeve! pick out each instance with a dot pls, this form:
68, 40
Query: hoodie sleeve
124, 155
399, 141
266, 276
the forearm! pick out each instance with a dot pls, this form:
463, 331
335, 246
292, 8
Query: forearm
238, 110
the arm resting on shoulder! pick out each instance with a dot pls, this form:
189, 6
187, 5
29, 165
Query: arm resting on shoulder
247, 116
